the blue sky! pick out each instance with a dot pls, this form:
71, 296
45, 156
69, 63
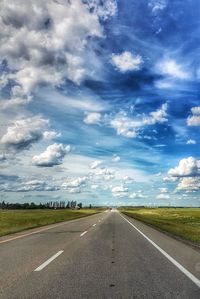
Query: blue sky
99, 101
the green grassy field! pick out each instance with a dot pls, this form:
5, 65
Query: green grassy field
12, 221
182, 222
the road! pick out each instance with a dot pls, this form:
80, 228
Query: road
101, 256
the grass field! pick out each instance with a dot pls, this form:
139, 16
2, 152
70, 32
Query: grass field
182, 222
12, 221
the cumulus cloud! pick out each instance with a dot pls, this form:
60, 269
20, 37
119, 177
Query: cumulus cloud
104, 9
74, 190
187, 173
126, 61
120, 188
129, 127
172, 69
75, 182
14, 102
191, 141
116, 158
195, 110
105, 174
194, 119
127, 179
163, 190
36, 185
119, 191
51, 135
95, 164
187, 167
157, 5
189, 183
163, 196
23, 133
170, 179
92, 118
94, 187
12, 183
45, 42
53, 155
137, 195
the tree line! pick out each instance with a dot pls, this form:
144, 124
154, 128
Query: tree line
48, 205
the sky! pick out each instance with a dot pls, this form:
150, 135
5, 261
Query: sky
99, 101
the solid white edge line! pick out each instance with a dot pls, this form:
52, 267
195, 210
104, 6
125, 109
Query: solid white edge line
171, 259
83, 233
48, 261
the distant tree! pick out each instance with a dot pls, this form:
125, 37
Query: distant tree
80, 205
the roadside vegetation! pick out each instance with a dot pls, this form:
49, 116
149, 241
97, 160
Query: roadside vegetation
12, 221
182, 222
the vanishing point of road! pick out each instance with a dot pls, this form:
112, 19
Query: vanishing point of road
106, 255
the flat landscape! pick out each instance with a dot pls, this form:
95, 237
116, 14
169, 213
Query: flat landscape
106, 255
182, 222
12, 221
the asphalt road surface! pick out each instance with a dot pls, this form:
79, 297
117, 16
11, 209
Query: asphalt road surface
102, 256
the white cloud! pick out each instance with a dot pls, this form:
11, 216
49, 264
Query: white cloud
170, 179
104, 9
157, 5
75, 182
94, 187
194, 120
115, 158
104, 171
126, 61
195, 110
120, 188
172, 69
119, 191
23, 133
45, 42
163, 190
189, 183
163, 196
187, 173
36, 185
124, 126
127, 179
128, 127
74, 190
187, 167
137, 195
51, 135
52, 156
14, 102
92, 118
95, 164
191, 141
